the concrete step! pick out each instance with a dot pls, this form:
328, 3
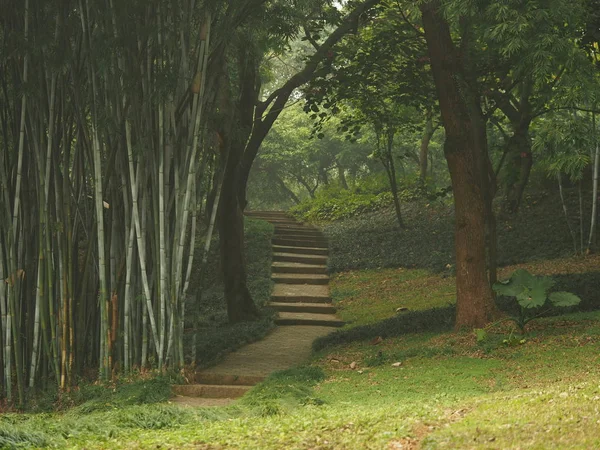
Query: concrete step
300, 268
299, 243
214, 378
267, 213
305, 231
198, 402
290, 318
303, 293
312, 251
302, 307
299, 258
210, 390
293, 278
302, 237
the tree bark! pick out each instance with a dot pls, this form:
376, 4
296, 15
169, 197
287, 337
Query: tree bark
519, 164
240, 306
390, 169
424, 149
518, 151
341, 176
285, 189
466, 152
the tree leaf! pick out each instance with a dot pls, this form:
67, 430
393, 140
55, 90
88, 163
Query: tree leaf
508, 288
564, 299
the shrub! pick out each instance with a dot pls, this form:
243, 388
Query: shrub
532, 294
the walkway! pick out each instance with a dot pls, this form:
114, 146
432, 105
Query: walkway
300, 294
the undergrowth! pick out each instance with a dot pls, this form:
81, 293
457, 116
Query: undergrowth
373, 240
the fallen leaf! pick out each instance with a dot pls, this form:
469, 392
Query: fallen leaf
397, 364
353, 365
377, 340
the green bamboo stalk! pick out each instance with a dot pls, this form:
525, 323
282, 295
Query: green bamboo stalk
162, 238
22, 129
6, 372
140, 233
126, 319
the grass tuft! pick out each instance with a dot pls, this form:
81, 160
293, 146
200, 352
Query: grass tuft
11, 438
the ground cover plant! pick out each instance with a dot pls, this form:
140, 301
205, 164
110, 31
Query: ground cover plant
373, 240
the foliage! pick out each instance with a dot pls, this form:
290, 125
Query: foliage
284, 391
532, 293
563, 142
335, 204
367, 195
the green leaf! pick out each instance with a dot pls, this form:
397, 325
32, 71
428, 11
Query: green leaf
564, 299
508, 288
522, 277
480, 334
538, 291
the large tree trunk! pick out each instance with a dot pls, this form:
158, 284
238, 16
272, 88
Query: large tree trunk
240, 306
466, 152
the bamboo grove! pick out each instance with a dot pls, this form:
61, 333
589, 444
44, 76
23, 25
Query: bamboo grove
107, 160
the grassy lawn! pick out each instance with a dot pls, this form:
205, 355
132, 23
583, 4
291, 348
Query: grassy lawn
419, 390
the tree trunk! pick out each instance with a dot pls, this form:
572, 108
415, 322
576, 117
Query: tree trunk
390, 169
285, 189
594, 188
520, 161
466, 153
240, 306
342, 176
424, 149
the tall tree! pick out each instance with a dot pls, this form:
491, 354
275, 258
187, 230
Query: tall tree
255, 119
470, 169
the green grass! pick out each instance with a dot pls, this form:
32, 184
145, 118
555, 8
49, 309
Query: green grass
449, 391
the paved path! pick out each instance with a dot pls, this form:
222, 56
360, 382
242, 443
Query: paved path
300, 294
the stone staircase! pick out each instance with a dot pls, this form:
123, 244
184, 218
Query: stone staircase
301, 293
301, 297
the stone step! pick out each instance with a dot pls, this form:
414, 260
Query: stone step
300, 268
302, 237
267, 213
210, 390
293, 278
215, 378
292, 293
302, 307
312, 251
299, 258
305, 231
198, 402
290, 318
298, 243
